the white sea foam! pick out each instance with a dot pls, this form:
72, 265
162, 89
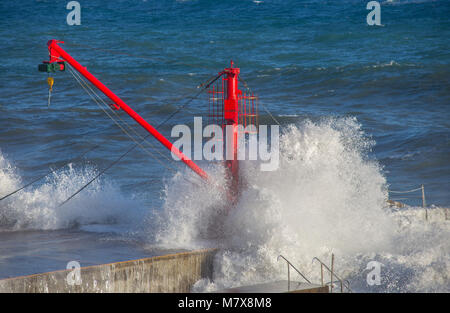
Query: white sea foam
327, 197
288, 115
36, 207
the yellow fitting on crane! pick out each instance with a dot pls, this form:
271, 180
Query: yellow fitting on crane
50, 82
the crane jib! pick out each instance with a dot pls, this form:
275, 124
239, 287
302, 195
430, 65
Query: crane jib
57, 58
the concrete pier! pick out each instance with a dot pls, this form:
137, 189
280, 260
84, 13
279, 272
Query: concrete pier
168, 273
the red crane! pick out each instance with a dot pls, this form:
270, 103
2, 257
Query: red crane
230, 107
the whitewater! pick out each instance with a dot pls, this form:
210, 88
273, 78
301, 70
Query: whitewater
327, 197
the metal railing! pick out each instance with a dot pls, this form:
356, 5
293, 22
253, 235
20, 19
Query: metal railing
332, 275
289, 264
421, 188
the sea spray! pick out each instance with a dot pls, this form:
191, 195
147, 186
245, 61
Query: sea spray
37, 207
193, 214
327, 197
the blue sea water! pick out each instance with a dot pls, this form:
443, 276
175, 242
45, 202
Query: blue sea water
306, 60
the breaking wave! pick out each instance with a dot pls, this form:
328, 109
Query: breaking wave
328, 196
37, 208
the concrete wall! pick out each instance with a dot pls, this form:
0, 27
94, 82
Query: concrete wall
432, 213
168, 273
435, 214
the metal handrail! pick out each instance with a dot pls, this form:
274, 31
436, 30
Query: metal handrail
341, 281
289, 276
422, 188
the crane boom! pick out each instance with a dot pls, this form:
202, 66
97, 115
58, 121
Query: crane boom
58, 56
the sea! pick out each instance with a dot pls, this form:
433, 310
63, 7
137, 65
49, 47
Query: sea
364, 114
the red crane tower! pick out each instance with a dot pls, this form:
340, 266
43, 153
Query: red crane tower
230, 107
